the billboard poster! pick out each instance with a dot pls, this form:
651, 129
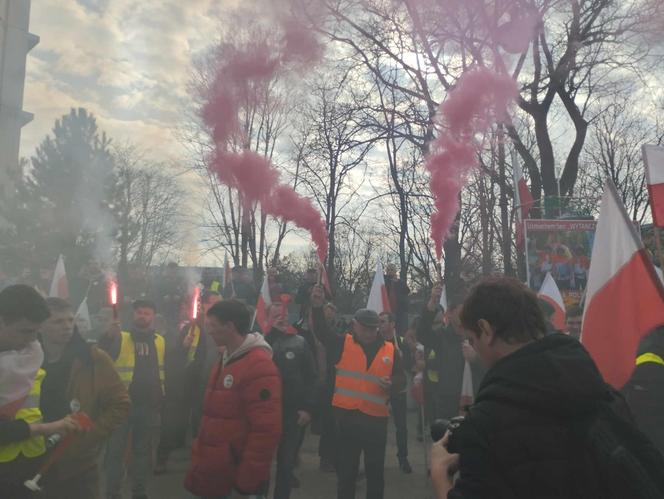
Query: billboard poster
562, 247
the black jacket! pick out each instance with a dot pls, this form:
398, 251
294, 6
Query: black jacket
296, 364
645, 390
449, 363
516, 441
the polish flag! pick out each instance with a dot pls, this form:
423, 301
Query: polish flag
653, 157
82, 317
443, 299
550, 293
264, 302
59, 286
624, 297
523, 199
378, 299
228, 290
323, 279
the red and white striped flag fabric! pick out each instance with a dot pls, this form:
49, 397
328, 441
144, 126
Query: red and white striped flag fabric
323, 278
523, 200
59, 285
653, 157
379, 302
264, 302
624, 297
550, 293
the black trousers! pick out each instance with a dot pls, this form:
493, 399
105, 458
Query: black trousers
359, 434
400, 415
287, 455
327, 445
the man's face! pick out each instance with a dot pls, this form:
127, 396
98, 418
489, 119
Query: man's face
219, 332
144, 318
211, 300
330, 314
574, 326
278, 317
386, 327
365, 334
483, 344
59, 327
17, 335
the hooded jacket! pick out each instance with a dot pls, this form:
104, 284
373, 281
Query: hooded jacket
517, 440
241, 425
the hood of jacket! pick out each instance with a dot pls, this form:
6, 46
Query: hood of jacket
251, 342
553, 375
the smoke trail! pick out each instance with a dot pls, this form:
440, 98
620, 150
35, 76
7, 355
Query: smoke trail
251, 174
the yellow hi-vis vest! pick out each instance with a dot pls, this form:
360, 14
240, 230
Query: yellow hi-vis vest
29, 412
649, 357
358, 388
126, 361
194, 344
215, 286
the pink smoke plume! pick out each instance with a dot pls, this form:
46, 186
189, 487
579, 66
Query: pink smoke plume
251, 174
480, 97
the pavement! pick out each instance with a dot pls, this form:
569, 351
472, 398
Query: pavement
315, 484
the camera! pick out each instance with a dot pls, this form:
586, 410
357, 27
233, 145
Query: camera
441, 426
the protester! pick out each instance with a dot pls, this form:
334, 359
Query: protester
398, 401
296, 364
544, 419
645, 389
303, 295
451, 355
574, 321
188, 366
139, 358
22, 432
81, 377
169, 291
397, 294
243, 286
367, 373
241, 425
549, 314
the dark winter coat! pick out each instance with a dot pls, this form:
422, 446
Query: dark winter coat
293, 357
516, 441
645, 390
241, 424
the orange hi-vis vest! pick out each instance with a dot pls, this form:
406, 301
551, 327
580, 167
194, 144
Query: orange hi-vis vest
358, 388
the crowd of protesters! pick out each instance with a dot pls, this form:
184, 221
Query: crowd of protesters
531, 397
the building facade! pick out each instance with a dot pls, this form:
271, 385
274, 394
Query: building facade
15, 43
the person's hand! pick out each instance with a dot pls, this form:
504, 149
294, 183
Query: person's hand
385, 382
303, 418
188, 340
434, 300
62, 427
469, 353
443, 467
317, 297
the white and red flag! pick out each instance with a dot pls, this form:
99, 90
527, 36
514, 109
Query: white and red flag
550, 293
467, 393
59, 286
379, 301
653, 157
523, 200
624, 297
323, 278
264, 302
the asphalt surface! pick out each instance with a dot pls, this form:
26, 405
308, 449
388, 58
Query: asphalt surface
315, 484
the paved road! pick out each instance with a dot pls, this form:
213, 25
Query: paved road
318, 485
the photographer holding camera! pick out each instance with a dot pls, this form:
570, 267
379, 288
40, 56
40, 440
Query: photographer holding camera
544, 424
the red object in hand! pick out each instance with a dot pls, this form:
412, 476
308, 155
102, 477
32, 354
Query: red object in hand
194, 310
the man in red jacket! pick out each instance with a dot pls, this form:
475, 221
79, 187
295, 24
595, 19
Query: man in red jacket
241, 425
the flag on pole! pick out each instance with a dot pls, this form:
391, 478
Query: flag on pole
550, 293
379, 302
653, 157
264, 302
228, 289
443, 298
323, 279
59, 286
523, 199
624, 297
82, 317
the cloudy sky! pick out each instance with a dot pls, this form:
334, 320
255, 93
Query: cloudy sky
126, 61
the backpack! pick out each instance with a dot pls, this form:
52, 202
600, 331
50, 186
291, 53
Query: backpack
626, 464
